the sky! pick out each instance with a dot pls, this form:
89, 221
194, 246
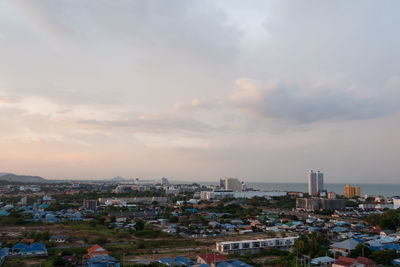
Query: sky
198, 90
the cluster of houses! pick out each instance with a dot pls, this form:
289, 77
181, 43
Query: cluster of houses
204, 260
23, 250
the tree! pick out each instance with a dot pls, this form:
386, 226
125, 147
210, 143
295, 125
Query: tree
101, 220
361, 250
139, 226
384, 256
58, 261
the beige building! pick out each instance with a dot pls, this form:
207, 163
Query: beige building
352, 191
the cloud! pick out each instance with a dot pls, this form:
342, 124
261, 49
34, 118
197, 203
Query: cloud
294, 103
10, 99
153, 124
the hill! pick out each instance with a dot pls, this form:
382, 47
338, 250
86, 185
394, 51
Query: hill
10, 177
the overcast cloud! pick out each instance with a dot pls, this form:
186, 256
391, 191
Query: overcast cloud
197, 90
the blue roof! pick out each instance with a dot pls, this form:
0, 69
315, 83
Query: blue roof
339, 229
184, 260
224, 264
102, 259
35, 247
19, 246
167, 261
177, 261
4, 213
241, 263
391, 246
192, 210
235, 263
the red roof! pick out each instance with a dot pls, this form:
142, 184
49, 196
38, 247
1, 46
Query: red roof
366, 261
345, 261
96, 250
211, 258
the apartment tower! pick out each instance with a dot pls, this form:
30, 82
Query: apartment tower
315, 182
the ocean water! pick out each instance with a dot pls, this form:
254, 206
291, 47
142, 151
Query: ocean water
387, 190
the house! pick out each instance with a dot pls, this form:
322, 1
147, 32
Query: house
346, 262
2, 256
96, 250
345, 247
367, 262
145, 215
386, 233
322, 261
178, 261
36, 249
351, 262
51, 218
210, 259
16, 249
58, 238
4, 213
235, 263
103, 261
396, 261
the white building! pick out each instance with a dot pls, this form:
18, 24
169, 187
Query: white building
396, 202
315, 182
209, 195
170, 190
237, 246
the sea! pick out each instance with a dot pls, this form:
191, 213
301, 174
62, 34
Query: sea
386, 190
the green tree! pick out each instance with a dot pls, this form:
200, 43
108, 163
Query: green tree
139, 226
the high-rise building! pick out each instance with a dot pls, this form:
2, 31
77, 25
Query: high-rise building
312, 187
90, 204
315, 182
351, 191
320, 181
231, 184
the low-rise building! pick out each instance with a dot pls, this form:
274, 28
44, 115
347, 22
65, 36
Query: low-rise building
249, 245
312, 204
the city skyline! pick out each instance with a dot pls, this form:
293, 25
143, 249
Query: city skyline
200, 90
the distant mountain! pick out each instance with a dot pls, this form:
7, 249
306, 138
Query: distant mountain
10, 177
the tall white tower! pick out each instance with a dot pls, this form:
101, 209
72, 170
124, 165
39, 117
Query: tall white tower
312, 183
